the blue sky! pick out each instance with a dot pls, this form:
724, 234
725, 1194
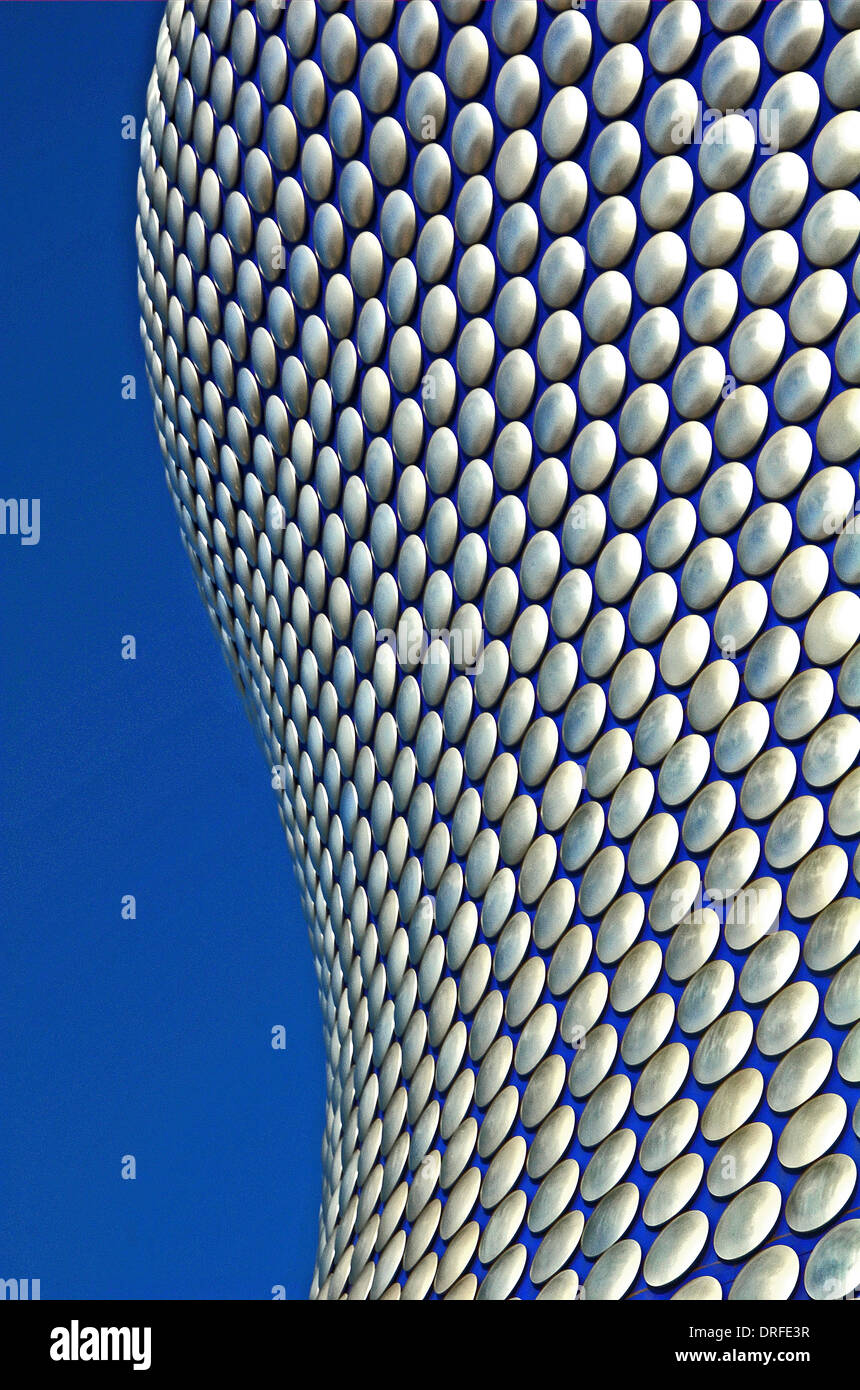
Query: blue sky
148, 1037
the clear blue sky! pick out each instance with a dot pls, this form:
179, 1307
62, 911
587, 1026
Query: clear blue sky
149, 1037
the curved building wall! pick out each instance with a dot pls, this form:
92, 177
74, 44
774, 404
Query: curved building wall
505, 361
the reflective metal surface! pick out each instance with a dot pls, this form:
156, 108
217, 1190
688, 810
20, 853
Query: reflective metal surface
506, 369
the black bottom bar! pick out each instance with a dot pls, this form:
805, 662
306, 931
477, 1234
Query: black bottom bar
63, 1339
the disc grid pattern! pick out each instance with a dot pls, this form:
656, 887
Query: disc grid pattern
506, 369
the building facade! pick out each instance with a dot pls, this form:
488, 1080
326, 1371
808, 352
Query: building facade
505, 360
